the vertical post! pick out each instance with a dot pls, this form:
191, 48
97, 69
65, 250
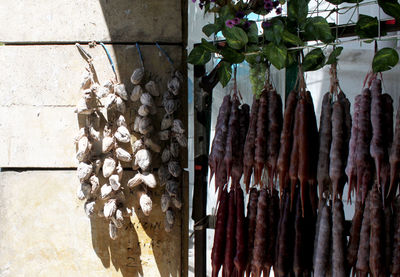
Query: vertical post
202, 120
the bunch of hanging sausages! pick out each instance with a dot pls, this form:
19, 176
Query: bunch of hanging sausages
295, 176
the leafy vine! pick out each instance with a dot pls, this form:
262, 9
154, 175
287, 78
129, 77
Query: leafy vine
283, 36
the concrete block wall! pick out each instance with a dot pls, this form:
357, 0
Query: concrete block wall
44, 230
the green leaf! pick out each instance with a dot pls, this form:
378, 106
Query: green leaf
390, 7
314, 60
209, 29
367, 26
317, 28
207, 7
333, 56
291, 59
235, 37
274, 33
227, 12
385, 59
257, 77
252, 33
291, 38
224, 73
199, 56
253, 58
276, 54
298, 9
208, 46
231, 55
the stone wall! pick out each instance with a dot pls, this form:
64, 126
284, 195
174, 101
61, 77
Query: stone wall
44, 230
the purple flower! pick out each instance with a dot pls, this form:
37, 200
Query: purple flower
247, 25
240, 14
229, 23
236, 20
194, 1
266, 24
278, 10
267, 8
275, 4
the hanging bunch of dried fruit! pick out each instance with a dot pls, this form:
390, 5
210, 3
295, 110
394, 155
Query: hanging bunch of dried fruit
173, 133
143, 94
108, 200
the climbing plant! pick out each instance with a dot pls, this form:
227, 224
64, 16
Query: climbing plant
283, 36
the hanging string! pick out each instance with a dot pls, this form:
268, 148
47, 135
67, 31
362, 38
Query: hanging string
235, 86
110, 60
89, 60
371, 75
88, 57
334, 86
165, 54
140, 54
302, 82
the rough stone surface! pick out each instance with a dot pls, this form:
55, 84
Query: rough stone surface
104, 20
51, 74
44, 232
37, 119
37, 136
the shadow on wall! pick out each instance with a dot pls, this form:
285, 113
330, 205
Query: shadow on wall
139, 240
124, 252
142, 21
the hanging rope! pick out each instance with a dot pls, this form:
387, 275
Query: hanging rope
140, 55
88, 57
165, 54
110, 60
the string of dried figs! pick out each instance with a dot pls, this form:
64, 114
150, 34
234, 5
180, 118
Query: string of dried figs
143, 95
102, 150
173, 133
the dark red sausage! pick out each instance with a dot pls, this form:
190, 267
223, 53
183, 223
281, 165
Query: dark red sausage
217, 254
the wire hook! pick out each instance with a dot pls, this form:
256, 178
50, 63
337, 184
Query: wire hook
140, 54
165, 54
110, 60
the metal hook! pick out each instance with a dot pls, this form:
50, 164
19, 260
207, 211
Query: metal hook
165, 54
110, 60
140, 54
